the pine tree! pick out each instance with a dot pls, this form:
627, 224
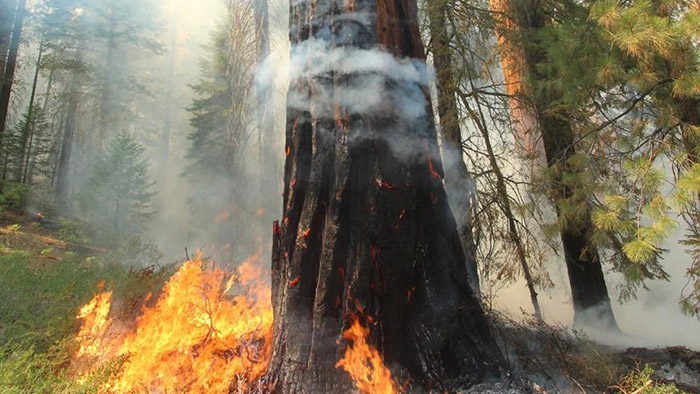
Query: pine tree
116, 199
222, 151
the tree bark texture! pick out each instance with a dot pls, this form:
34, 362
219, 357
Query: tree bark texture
366, 219
459, 183
523, 120
588, 289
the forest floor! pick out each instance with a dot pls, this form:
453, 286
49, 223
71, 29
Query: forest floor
556, 360
41, 244
46, 274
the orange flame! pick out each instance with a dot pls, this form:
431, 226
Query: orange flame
196, 338
95, 324
364, 364
222, 217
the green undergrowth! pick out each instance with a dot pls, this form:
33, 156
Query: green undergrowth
38, 306
642, 381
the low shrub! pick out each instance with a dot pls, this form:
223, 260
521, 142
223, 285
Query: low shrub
14, 196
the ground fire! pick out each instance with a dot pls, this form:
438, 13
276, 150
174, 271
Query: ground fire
208, 332
197, 337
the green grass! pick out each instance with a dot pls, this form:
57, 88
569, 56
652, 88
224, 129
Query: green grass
37, 318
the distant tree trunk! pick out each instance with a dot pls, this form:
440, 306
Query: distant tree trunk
63, 188
10, 66
459, 183
163, 168
7, 12
523, 120
106, 99
588, 288
47, 93
28, 133
366, 218
269, 181
506, 208
168, 112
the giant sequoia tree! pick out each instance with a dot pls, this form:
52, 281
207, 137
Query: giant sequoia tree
366, 219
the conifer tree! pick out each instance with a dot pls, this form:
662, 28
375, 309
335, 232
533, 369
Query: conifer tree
117, 198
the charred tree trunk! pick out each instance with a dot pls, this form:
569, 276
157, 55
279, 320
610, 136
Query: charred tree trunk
11, 65
458, 181
366, 219
588, 289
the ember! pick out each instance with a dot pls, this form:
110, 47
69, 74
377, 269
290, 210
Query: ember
384, 185
430, 161
294, 282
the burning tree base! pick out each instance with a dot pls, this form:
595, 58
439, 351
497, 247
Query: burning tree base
197, 338
366, 219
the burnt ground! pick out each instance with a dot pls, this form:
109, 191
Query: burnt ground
678, 365
549, 359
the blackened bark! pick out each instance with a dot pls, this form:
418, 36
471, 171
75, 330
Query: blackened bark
588, 289
458, 181
11, 65
366, 219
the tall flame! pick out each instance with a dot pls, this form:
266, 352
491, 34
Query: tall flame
364, 364
96, 322
195, 338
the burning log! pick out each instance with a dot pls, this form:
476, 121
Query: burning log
46, 222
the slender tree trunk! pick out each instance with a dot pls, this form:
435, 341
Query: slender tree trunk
163, 168
458, 181
69, 129
47, 93
28, 133
7, 12
269, 180
588, 288
106, 99
506, 208
11, 65
366, 218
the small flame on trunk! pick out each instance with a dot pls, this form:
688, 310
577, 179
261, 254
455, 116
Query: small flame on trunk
364, 364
